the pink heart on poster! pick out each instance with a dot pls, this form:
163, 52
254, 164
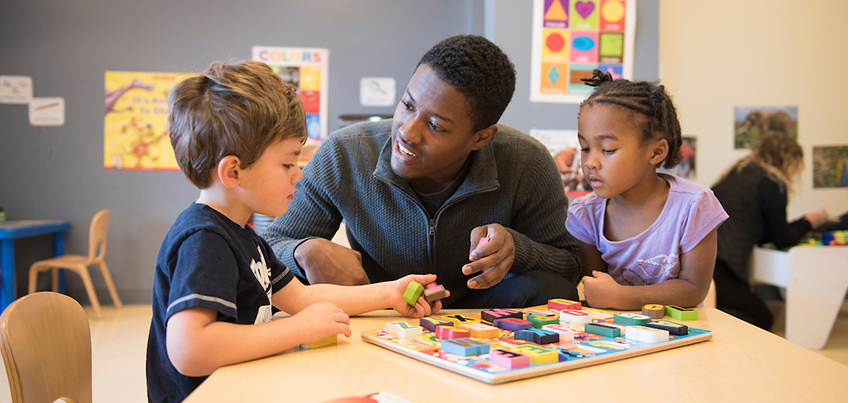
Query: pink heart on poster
584, 8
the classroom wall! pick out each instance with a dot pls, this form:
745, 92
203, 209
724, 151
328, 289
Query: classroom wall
57, 172
719, 54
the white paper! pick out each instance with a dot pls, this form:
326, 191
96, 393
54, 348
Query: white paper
377, 91
15, 89
47, 111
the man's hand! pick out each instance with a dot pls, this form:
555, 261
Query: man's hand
324, 261
493, 259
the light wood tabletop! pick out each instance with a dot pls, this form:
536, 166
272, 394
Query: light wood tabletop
740, 363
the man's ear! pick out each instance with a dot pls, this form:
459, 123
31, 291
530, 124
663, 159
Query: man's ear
228, 171
659, 150
483, 136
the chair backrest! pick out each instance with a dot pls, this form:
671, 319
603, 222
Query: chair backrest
97, 236
46, 348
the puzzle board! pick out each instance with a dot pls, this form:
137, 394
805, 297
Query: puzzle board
585, 349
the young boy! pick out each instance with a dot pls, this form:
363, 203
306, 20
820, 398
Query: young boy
237, 130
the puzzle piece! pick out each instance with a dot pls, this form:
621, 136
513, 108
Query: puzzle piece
679, 313
492, 314
413, 292
537, 336
508, 359
481, 330
631, 319
434, 292
655, 311
513, 324
646, 334
465, 347
575, 316
541, 320
602, 330
403, 329
334, 339
450, 332
673, 328
562, 304
565, 334
431, 323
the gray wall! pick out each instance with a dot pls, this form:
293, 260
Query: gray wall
66, 47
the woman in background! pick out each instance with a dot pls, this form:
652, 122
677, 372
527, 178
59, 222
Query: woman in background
754, 192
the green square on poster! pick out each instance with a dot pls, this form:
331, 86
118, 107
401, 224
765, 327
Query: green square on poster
611, 44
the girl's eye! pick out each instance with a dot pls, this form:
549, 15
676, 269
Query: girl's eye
288, 166
608, 152
584, 150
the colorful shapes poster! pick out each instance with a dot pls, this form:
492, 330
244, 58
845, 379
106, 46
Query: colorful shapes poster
307, 70
573, 37
135, 126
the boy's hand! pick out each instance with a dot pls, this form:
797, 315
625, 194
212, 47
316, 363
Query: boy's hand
601, 290
321, 320
422, 307
498, 255
327, 262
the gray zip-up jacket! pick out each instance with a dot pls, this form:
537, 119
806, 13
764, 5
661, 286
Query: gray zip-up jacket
512, 181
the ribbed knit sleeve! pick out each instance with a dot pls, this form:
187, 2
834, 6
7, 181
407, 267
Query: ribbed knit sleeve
541, 208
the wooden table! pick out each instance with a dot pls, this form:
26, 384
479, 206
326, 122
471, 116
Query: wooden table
740, 363
11, 230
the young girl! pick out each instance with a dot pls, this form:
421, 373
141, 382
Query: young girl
639, 227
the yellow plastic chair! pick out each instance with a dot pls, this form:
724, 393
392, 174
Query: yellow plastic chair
79, 264
46, 348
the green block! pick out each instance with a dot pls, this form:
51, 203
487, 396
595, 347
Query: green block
413, 292
541, 320
679, 313
631, 319
602, 330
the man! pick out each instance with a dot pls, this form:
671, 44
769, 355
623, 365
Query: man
417, 193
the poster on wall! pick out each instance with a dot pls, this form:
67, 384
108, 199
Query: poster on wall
135, 127
686, 168
830, 167
752, 122
307, 70
565, 149
573, 37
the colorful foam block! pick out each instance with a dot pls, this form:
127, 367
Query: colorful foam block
654, 311
602, 330
537, 336
679, 313
647, 334
541, 320
492, 314
481, 330
562, 304
513, 324
508, 359
334, 339
459, 319
599, 314
673, 328
631, 319
450, 332
431, 323
413, 292
538, 355
565, 334
403, 329
434, 292
484, 240
575, 316
465, 347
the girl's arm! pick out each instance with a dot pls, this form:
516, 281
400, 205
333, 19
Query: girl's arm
354, 300
591, 260
198, 344
689, 289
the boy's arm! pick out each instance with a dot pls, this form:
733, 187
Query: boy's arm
198, 344
354, 300
689, 289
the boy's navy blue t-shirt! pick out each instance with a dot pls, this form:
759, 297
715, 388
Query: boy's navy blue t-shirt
207, 261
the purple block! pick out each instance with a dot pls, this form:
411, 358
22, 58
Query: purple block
513, 324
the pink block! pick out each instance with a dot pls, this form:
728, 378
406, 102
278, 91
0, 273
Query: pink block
450, 332
508, 359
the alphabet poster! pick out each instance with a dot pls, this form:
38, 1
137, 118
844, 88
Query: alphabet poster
573, 37
305, 69
135, 125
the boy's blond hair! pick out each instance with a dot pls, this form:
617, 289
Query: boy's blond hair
230, 109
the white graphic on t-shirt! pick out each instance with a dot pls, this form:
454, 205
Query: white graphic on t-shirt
263, 274
660, 266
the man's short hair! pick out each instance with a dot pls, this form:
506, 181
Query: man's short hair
230, 109
478, 69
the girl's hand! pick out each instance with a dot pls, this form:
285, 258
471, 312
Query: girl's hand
321, 320
422, 307
601, 290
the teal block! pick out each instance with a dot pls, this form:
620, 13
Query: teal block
631, 319
602, 330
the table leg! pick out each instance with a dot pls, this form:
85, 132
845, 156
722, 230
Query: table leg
7, 272
59, 250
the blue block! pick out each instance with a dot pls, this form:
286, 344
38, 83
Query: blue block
465, 347
537, 336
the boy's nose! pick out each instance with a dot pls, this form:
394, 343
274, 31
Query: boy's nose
410, 131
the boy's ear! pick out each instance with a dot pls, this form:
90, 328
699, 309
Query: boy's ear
228, 171
483, 136
659, 150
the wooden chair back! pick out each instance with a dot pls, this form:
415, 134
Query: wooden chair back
46, 348
97, 236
